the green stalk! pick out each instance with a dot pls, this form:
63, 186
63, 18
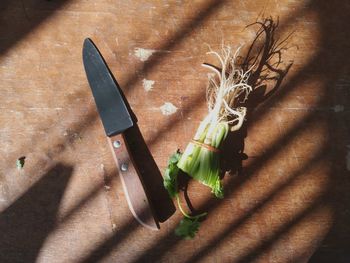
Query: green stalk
185, 214
203, 164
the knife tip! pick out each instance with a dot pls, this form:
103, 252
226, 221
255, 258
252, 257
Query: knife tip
87, 41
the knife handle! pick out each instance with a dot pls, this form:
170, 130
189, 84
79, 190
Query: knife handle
134, 190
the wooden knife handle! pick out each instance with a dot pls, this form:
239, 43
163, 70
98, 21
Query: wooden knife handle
131, 179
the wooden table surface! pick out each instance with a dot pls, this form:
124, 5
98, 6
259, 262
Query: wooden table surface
288, 201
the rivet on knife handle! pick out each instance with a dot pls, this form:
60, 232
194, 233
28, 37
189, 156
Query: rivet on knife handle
132, 183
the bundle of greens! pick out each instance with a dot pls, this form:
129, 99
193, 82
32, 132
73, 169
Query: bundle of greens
228, 89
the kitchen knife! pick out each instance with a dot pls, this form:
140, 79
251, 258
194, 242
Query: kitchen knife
116, 119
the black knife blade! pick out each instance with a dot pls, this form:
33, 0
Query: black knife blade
106, 91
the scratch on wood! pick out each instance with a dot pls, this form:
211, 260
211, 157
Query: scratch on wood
106, 181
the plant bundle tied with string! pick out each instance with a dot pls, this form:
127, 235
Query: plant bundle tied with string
261, 69
227, 91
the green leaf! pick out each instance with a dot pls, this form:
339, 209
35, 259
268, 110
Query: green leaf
189, 225
170, 183
170, 175
218, 190
20, 162
175, 158
187, 228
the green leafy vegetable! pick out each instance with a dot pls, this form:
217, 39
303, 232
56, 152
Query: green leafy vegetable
189, 225
227, 89
170, 176
20, 162
187, 228
202, 163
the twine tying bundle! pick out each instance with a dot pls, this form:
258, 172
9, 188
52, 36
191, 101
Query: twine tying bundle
208, 147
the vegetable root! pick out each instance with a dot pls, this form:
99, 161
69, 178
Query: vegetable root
227, 90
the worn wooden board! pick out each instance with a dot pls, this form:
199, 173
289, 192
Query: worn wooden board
289, 202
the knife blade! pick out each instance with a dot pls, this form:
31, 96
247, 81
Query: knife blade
116, 119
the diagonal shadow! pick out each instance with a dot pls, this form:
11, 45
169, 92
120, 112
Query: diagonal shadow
178, 37
83, 202
13, 14
60, 146
319, 64
38, 237
233, 186
211, 204
96, 190
315, 63
25, 225
111, 243
188, 29
266, 243
263, 49
103, 247
208, 9
275, 191
300, 79
335, 49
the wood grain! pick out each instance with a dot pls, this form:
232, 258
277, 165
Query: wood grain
287, 198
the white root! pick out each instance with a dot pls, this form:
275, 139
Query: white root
218, 73
232, 90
